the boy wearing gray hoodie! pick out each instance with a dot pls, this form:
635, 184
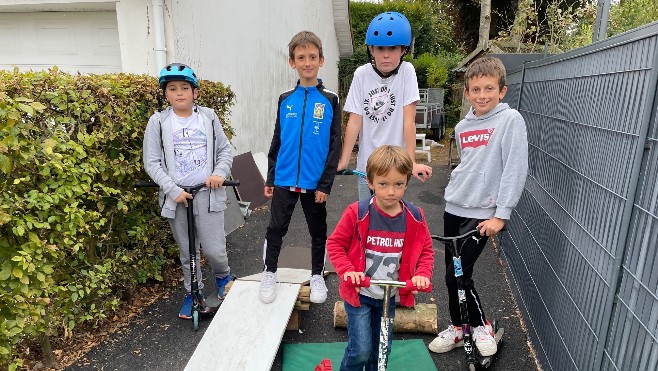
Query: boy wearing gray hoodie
185, 145
482, 192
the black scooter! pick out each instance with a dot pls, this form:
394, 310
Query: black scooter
473, 356
198, 304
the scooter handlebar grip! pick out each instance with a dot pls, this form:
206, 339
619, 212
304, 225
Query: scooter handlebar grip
365, 282
231, 183
411, 286
144, 184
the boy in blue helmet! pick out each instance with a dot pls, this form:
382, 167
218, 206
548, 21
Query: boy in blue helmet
302, 163
185, 145
382, 98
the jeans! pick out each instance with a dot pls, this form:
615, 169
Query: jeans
363, 325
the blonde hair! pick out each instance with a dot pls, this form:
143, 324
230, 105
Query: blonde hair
304, 38
388, 157
486, 66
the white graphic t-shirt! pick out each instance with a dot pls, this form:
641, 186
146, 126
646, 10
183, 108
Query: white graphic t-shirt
190, 143
380, 101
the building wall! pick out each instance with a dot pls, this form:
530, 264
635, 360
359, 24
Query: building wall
241, 43
245, 44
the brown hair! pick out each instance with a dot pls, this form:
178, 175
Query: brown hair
388, 157
486, 66
304, 38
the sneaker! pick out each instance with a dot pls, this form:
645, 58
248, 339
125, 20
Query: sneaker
447, 340
186, 309
267, 292
484, 340
318, 289
221, 286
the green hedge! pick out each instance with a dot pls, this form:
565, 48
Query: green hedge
75, 237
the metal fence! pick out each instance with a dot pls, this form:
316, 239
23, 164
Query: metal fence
582, 247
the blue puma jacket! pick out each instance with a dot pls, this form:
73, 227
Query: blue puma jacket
306, 144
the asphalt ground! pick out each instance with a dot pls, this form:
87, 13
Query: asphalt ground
158, 340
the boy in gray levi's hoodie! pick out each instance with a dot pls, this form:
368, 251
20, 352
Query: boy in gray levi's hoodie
482, 192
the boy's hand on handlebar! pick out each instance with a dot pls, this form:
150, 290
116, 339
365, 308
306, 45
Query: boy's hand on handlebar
491, 227
214, 181
183, 197
268, 191
422, 172
421, 282
355, 278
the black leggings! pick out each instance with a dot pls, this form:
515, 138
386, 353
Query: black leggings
283, 205
470, 251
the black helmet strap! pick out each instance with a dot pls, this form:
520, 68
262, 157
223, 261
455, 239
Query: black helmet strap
374, 65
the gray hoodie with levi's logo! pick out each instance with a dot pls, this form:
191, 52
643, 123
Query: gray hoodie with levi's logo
490, 178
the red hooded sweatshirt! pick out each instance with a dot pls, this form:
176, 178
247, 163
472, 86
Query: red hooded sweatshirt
347, 251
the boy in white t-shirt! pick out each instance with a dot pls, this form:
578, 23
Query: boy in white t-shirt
382, 98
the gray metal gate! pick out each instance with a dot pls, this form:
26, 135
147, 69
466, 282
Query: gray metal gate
582, 243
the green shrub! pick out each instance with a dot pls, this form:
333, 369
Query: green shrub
75, 237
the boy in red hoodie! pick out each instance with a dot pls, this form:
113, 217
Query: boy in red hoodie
384, 238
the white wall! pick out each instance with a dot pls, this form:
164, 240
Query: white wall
244, 44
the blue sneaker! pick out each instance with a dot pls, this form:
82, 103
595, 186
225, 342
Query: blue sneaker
186, 309
221, 286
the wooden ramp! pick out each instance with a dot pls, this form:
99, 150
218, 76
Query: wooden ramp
245, 333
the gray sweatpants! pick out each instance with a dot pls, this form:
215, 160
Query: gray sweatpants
209, 234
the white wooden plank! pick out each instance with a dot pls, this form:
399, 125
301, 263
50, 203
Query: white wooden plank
287, 275
245, 333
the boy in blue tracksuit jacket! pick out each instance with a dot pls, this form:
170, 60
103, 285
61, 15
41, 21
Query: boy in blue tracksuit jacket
302, 163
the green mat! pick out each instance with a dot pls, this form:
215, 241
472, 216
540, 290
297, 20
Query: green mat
406, 355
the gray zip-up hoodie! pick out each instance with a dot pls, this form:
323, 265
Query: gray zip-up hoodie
494, 163
159, 160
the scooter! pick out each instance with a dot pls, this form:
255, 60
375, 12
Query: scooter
198, 302
473, 356
386, 322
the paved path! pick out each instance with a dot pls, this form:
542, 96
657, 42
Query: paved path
158, 340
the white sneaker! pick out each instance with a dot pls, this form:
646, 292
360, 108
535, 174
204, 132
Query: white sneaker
447, 340
267, 291
484, 340
318, 289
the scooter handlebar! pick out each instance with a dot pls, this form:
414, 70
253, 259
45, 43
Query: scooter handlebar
474, 232
144, 184
351, 172
366, 282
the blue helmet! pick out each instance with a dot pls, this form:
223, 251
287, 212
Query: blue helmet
389, 29
178, 72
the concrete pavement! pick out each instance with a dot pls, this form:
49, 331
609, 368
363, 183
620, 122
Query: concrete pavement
158, 340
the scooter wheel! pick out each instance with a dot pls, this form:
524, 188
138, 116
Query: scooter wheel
471, 367
195, 319
494, 325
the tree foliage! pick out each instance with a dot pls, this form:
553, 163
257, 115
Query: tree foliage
629, 14
562, 25
434, 51
75, 238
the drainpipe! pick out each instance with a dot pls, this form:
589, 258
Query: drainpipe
159, 34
